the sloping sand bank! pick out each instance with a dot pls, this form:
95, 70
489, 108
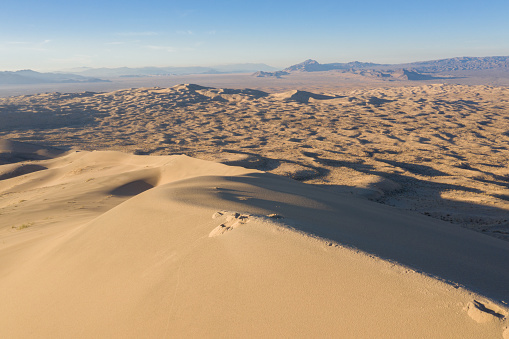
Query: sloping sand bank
105, 244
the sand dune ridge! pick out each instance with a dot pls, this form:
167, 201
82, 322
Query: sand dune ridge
118, 245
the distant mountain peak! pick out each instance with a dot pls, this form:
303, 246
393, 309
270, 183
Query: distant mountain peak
309, 65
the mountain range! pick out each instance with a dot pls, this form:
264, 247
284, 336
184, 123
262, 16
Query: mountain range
87, 74
442, 65
25, 77
424, 70
160, 71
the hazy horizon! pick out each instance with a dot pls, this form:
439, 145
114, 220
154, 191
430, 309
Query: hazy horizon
76, 68
56, 35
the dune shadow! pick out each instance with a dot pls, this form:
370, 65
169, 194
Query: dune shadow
26, 117
496, 226
132, 188
482, 218
415, 168
22, 170
264, 163
449, 252
15, 151
377, 102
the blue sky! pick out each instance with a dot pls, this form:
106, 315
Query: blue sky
56, 34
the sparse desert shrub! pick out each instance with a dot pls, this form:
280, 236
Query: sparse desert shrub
26, 225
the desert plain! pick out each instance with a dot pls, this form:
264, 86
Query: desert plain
241, 207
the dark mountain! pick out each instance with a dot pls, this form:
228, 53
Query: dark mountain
391, 75
406, 74
31, 77
276, 74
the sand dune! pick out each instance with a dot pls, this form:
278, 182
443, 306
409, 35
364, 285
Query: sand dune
440, 150
106, 244
368, 244
301, 96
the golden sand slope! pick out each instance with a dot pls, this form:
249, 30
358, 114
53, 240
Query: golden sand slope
104, 244
441, 150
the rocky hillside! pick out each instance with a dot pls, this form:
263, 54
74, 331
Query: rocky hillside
443, 65
460, 64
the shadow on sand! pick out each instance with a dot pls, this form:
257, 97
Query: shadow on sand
449, 252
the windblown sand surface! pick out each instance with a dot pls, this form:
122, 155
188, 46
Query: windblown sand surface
106, 244
352, 229
440, 150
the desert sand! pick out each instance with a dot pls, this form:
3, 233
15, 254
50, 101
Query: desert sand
441, 150
192, 211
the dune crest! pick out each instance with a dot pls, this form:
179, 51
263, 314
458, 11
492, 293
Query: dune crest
302, 96
106, 244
